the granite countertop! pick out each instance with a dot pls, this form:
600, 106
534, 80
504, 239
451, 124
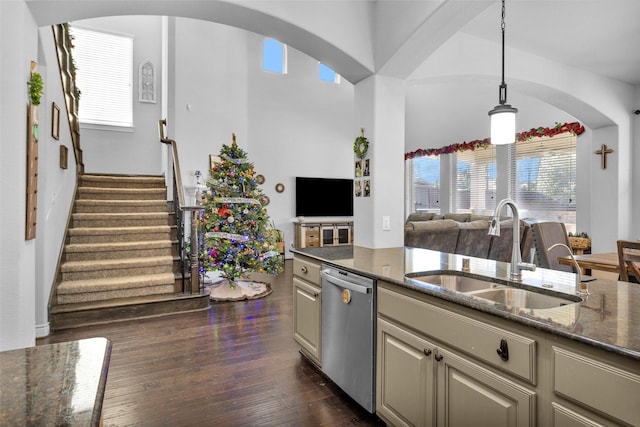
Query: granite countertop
608, 318
55, 384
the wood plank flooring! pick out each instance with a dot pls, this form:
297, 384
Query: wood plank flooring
233, 365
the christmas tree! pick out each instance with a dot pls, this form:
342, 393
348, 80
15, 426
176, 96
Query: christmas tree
237, 238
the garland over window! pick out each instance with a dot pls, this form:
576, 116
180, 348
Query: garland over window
575, 128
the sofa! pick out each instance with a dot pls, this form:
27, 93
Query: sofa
466, 234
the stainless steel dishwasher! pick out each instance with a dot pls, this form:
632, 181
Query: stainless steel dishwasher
348, 333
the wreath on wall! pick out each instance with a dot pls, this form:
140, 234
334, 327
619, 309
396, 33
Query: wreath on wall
361, 145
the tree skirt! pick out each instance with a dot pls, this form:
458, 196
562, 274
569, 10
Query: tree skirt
220, 290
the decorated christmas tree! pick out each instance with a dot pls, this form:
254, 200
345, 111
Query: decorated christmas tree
237, 237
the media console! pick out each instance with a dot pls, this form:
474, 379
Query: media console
323, 233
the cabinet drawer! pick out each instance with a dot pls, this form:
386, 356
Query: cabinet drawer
476, 338
614, 391
307, 269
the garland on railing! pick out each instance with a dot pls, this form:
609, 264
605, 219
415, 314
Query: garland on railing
575, 128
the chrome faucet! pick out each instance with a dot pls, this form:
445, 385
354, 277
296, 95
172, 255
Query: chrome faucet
581, 286
516, 258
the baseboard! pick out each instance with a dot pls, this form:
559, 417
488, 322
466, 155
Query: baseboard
43, 330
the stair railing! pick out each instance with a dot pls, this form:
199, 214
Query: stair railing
63, 42
180, 208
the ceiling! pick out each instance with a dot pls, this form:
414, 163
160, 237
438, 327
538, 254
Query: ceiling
600, 36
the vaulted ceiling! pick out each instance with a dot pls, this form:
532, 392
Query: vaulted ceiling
395, 37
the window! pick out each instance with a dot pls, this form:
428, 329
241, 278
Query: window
274, 56
424, 176
328, 75
104, 76
545, 178
542, 174
476, 181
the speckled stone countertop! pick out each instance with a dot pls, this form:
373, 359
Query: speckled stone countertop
55, 384
608, 318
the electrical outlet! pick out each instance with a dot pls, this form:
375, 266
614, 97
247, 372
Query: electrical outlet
386, 223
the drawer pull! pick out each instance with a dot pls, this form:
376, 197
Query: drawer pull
304, 269
503, 351
426, 352
438, 357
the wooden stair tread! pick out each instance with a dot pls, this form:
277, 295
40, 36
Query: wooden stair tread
125, 302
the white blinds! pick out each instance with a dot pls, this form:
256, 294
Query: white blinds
425, 194
545, 178
104, 76
476, 181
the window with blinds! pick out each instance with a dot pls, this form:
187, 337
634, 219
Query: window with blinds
545, 179
104, 76
476, 181
425, 184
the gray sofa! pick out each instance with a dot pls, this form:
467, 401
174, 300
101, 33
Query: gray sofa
465, 234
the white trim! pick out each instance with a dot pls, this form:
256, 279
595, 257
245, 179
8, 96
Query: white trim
43, 330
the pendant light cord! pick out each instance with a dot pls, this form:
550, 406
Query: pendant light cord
503, 86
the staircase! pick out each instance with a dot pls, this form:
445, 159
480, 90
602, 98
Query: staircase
121, 259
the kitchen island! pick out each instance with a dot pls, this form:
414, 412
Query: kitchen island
59, 384
441, 352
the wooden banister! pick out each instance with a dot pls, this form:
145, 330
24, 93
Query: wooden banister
180, 207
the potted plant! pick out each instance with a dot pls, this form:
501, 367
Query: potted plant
36, 88
579, 241
277, 234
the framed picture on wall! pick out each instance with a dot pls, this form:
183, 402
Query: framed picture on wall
213, 159
64, 156
55, 121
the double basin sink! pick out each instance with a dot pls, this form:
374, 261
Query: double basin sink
502, 295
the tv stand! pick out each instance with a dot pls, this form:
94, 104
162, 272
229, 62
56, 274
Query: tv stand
323, 233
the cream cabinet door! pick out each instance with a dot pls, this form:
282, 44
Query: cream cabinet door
307, 318
405, 378
470, 395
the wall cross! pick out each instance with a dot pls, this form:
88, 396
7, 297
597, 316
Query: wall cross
603, 151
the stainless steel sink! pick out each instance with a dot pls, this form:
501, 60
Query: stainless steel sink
454, 282
525, 299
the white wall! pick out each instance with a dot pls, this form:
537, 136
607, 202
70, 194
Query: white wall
209, 84
19, 46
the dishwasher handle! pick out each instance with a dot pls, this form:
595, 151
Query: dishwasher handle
345, 283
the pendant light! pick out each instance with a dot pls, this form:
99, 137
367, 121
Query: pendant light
503, 116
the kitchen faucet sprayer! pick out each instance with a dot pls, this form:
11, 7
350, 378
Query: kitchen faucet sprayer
581, 286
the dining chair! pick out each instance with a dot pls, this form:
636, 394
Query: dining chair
545, 235
629, 260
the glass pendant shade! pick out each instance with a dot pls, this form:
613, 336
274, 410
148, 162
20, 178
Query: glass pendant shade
503, 124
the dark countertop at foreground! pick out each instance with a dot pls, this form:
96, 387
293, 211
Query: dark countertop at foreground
55, 384
609, 318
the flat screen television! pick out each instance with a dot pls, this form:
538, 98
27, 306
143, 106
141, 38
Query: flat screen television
324, 196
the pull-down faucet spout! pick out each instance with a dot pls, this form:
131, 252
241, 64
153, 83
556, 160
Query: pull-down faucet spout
516, 258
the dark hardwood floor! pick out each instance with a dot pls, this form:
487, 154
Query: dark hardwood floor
233, 365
